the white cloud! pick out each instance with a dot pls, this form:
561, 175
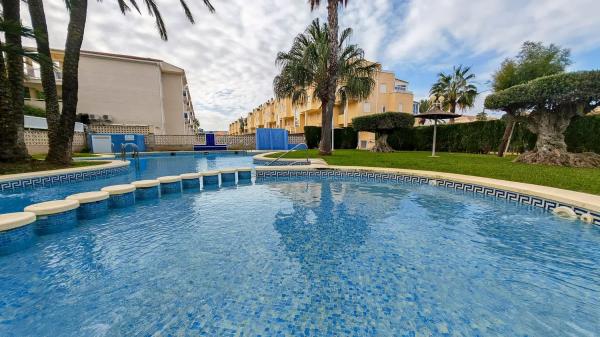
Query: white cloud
229, 56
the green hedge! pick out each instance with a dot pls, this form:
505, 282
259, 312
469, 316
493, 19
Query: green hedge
343, 138
33, 111
482, 137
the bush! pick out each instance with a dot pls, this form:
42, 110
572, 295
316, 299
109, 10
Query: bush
33, 111
312, 135
383, 122
484, 137
343, 138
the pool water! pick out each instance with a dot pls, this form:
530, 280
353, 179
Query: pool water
148, 168
310, 258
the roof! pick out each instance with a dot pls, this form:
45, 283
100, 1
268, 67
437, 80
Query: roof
165, 66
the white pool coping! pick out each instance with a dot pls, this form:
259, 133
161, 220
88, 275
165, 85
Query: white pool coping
88, 197
52, 207
191, 175
145, 183
264, 157
10, 221
169, 179
48, 173
579, 199
119, 189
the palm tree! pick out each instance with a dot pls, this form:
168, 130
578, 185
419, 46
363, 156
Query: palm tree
61, 125
12, 141
327, 115
305, 67
457, 88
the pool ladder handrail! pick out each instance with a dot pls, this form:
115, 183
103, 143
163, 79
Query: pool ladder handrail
290, 150
135, 153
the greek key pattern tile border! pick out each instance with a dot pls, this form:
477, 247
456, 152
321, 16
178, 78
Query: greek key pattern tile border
59, 179
517, 197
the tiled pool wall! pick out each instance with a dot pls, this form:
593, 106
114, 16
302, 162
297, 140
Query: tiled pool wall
24, 184
332, 174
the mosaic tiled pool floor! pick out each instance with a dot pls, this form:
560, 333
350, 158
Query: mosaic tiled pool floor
309, 259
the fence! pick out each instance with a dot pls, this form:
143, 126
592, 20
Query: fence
37, 141
186, 142
120, 129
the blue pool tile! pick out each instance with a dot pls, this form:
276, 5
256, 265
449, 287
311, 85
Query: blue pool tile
190, 183
121, 200
210, 180
92, 210
167, 188
244, 175
147, 193
228, 177
54, 223
16, 239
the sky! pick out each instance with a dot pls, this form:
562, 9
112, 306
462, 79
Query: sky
229, 56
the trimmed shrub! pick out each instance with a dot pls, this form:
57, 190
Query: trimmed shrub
343, 138
383, 124
312, 135
583, 134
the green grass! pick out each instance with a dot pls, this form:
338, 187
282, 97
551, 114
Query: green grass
41, 156
575, 179
35, 165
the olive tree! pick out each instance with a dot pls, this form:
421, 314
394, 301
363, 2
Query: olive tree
551, 103
382, 125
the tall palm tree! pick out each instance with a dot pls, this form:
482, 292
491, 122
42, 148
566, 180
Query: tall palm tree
305, 68
61, 125
12, 141
326, 117
457, 88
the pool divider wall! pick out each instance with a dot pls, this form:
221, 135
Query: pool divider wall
244, 174
120, 195
54, 216
228, 176
91, 204
170, 184
146, 189
210, 179
16, 231
190, 180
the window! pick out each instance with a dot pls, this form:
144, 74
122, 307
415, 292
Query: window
366, 107
400, 87
383, 108
382, 88
400, 108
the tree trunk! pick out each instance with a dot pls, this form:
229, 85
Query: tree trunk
38, 21
62, 140
550, 147
510, 125
12, 138
326, 118
381, 144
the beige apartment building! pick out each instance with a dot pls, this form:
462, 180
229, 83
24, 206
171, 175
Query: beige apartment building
124, 93
389, 94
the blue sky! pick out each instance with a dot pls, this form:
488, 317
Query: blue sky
229, 56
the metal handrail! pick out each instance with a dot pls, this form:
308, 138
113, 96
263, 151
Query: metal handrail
290, 150
135, 154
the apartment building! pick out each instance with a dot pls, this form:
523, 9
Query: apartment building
129, 93
389, 94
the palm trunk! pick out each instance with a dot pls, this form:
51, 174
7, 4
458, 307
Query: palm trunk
510, 125
61, 141
326, 117
38, 21
12, 138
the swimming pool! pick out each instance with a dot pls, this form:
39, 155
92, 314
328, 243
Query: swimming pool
150, 166
310, 257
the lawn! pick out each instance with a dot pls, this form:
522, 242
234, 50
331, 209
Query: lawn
583, 180
38, 164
